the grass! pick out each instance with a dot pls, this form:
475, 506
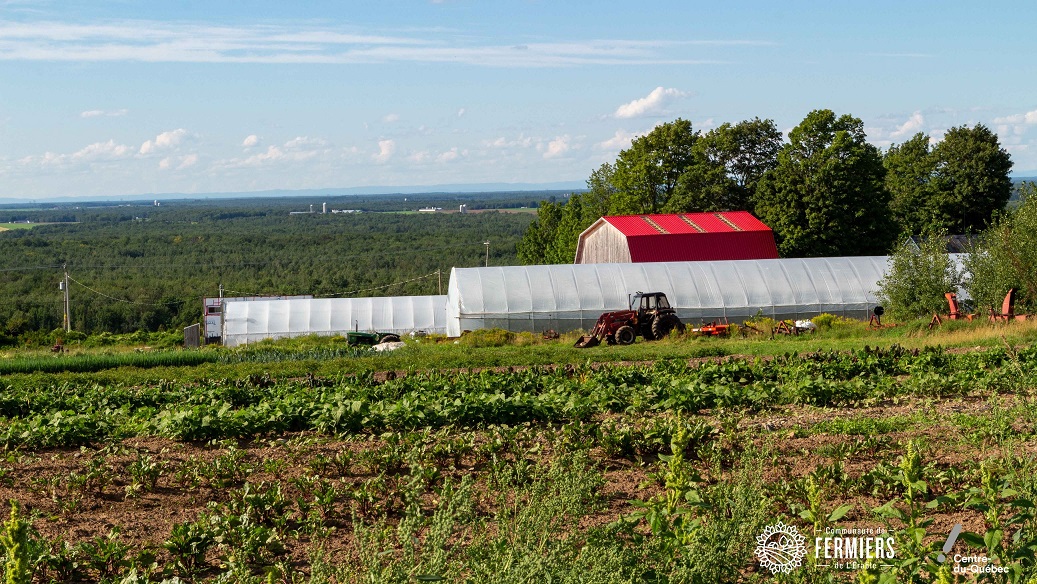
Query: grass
487, 349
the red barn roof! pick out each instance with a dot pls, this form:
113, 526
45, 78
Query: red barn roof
728, 235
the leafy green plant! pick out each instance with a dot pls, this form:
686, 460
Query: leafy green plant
187, 544
106, 554
14, 538
917, 279
144, 475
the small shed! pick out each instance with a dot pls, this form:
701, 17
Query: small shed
676, 237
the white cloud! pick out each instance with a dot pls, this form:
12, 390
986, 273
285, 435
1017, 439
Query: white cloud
96, 152
619, 141
103, 151
386, 148
99, 113
272, 153
164, 141
461, 112
151, 41
1014, 126
1027, 118
522, 141
653, 104
305, 142
450, 155
297, 149
909, 128
391, 118
557, 147
419, 157
188, 161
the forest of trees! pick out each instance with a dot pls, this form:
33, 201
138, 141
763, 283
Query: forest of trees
825, 191
147, 268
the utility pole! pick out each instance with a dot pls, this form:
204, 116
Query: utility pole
487, 244
439, 274
68, 308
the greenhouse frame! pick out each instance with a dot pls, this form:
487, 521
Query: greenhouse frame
248, 322
573, 296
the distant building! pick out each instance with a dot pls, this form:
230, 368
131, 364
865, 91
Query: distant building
430, 209
954, 243
212, 309
462, 209
678, 237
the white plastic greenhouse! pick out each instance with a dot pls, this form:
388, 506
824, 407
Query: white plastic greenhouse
248, 322
571, 296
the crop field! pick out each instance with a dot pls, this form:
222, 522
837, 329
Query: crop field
291, 463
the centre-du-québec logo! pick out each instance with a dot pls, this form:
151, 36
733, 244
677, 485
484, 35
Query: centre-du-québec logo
782, 549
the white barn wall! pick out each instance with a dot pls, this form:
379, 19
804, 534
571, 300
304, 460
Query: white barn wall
602, 243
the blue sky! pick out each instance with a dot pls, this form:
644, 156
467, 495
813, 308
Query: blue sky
123, 98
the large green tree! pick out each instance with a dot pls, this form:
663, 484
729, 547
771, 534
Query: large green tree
647, 175
972, 168
957, 185
729, 161
601, 188
540, 235
910, 179
826, 195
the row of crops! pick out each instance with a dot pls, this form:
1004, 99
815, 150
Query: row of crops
650, 473
93, 362
72, 414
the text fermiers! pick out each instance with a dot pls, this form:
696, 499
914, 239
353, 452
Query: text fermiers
855, 544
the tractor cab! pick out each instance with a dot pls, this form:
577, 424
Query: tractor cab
649, 302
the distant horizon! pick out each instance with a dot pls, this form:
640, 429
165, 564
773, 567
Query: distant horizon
373, 190
445, 189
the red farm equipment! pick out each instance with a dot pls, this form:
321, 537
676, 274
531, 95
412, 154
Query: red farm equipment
653, 319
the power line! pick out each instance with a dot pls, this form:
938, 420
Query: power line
242, 293
99, 293
203, 263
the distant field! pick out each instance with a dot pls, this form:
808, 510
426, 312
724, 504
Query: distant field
9, 226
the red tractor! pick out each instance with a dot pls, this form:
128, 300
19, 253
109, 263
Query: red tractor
653, 319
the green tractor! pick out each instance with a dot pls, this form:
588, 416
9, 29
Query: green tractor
369, 339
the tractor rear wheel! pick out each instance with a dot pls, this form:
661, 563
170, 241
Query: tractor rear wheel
625, 335
663, 324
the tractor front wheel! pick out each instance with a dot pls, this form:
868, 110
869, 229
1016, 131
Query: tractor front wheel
625, 335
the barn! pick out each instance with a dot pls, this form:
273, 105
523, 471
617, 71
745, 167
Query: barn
677, 237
